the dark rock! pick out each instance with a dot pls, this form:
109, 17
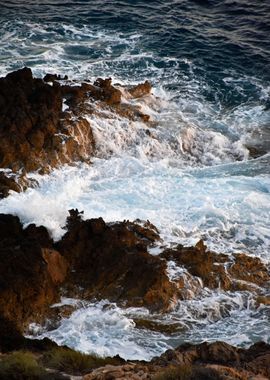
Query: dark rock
33, 134
7, 183
107, 261
29, 273
108, 92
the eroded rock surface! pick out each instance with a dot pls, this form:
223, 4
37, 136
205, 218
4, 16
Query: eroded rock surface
230, 272
28, 285
111, 261
99, 260
43, 122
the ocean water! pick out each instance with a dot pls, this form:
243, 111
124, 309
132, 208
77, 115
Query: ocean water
209, 64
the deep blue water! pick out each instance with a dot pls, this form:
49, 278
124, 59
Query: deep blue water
221, 38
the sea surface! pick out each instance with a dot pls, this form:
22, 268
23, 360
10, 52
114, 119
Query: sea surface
206, 174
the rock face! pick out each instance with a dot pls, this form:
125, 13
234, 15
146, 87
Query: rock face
221, 356
29, 278
33, 129
111, 261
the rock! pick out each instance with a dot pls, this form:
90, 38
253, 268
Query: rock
54, 77
165, 328
34, 135
123, 372
234, 272
265, 300
7, 183
56, 265
108, 259
218, 352
37, 135
140, 90
250, 269
28, 283
257, 358
107, 92
201, 263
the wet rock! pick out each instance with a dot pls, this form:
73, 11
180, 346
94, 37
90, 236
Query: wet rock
54, 77
265, 300
250, 269
234, 272
7, 183
107, 92
34, 135
140, 90
107, 261
165, 328
37, 133
207, 265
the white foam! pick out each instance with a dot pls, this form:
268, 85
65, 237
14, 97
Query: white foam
104, 329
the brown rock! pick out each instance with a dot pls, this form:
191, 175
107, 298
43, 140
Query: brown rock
123, 372
236, 272
26, 285
140, 90
7, 183
35, 134
56, 265
107, 93
250, 269
107, 261
202, 263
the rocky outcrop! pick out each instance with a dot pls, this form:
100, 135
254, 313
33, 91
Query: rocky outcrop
230, 272
29, 276
43, 122
248, 362
108, 260
95, 260
34, 132
99, 260
214, 361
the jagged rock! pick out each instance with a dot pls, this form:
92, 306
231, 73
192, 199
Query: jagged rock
7, 183
28, 284
107, 261
108, 92
33, 129
220, 270
140, 90
54, 77
235, 363
36, 134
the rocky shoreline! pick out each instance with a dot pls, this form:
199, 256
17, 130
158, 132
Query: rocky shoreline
42, 122
95, 260
42, 127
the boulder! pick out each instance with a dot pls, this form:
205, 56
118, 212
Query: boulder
111, 261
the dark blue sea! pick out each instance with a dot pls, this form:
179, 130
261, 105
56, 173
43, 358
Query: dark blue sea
206, 172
